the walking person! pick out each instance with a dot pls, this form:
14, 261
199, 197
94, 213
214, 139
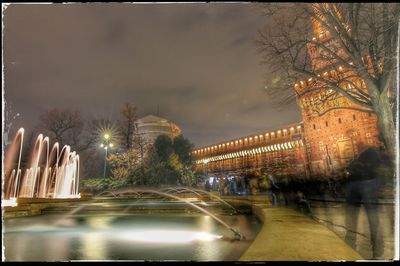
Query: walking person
302, 202
362, 188
234, 186
274, 190
207, 185
222, 186
214, 185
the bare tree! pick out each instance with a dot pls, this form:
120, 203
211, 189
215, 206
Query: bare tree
127, 124
141, 144
66, 127
355, 40
60, 123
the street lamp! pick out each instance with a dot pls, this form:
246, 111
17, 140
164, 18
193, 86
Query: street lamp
105, 145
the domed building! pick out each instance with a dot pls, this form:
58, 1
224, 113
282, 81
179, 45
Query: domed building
152, 126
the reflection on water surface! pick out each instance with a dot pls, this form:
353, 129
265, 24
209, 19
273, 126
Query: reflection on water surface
113, 236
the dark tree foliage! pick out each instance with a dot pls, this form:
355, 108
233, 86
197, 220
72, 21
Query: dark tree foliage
183, 148
164, 147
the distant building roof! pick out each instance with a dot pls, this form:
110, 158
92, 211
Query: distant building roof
151, 119
152, 126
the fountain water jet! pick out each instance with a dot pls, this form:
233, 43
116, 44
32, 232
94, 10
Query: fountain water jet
45, 171
140, 192
16, 145
237, 234
195, 190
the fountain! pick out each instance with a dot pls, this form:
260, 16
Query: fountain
52, 172
140, 192
100, 229
49, 173
237, 234
197, 191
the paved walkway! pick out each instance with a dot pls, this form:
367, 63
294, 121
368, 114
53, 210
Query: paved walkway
389, 201
288, 235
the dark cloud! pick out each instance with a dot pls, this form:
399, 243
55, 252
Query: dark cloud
197, 62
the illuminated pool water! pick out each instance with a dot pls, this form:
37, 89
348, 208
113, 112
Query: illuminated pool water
113, 236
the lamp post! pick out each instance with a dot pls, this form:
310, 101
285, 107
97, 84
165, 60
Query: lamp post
106, 144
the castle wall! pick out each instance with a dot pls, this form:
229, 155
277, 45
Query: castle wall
334, 139
280, 152
334, 129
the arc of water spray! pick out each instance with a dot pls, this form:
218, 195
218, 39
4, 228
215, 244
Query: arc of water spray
179, 190
76, 177
37, 181
35, 166
84, 206
195, 190
104, 192
54, 153
11, 182
16, 177
61, 170
237, 234
43, 177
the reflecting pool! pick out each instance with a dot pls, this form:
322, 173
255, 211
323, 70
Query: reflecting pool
134, 236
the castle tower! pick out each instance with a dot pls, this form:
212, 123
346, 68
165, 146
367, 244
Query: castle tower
336, 129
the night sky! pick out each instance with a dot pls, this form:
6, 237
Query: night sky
198, 62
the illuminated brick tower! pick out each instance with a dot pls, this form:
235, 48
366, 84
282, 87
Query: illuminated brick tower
335, 128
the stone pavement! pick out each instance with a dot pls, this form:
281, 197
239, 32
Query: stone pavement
288, 235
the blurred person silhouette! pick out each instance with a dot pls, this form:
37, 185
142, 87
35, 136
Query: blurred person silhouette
302, 203
222, 186
274, 190
207, 185
232, 186
362, 188
215, 185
